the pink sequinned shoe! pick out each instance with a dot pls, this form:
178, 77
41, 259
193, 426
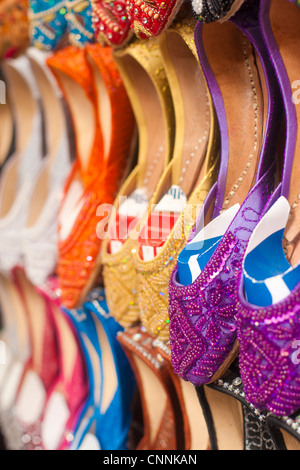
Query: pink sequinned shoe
49, 423
18, 410
15, 340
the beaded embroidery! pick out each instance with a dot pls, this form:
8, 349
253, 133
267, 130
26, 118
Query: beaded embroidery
148, 18
111, 23
120, 285
202, 315
153, 276
79, 17
208, 11
268, 354
48, 24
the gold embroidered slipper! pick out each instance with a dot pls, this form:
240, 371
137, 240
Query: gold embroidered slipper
191, 173
144, 77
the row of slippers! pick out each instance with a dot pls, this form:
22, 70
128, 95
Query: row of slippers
40, 177
85, 390
43, 355
110, 23
202, 346
202, 305
191, 296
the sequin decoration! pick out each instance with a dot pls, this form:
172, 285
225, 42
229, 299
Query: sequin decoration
202, 315
48, 24
269, 350
208, 11
120, 285
19, 435
111, 23
149, 18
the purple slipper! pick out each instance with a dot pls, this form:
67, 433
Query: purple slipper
203, 333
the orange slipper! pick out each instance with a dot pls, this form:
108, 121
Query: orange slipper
103, 124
